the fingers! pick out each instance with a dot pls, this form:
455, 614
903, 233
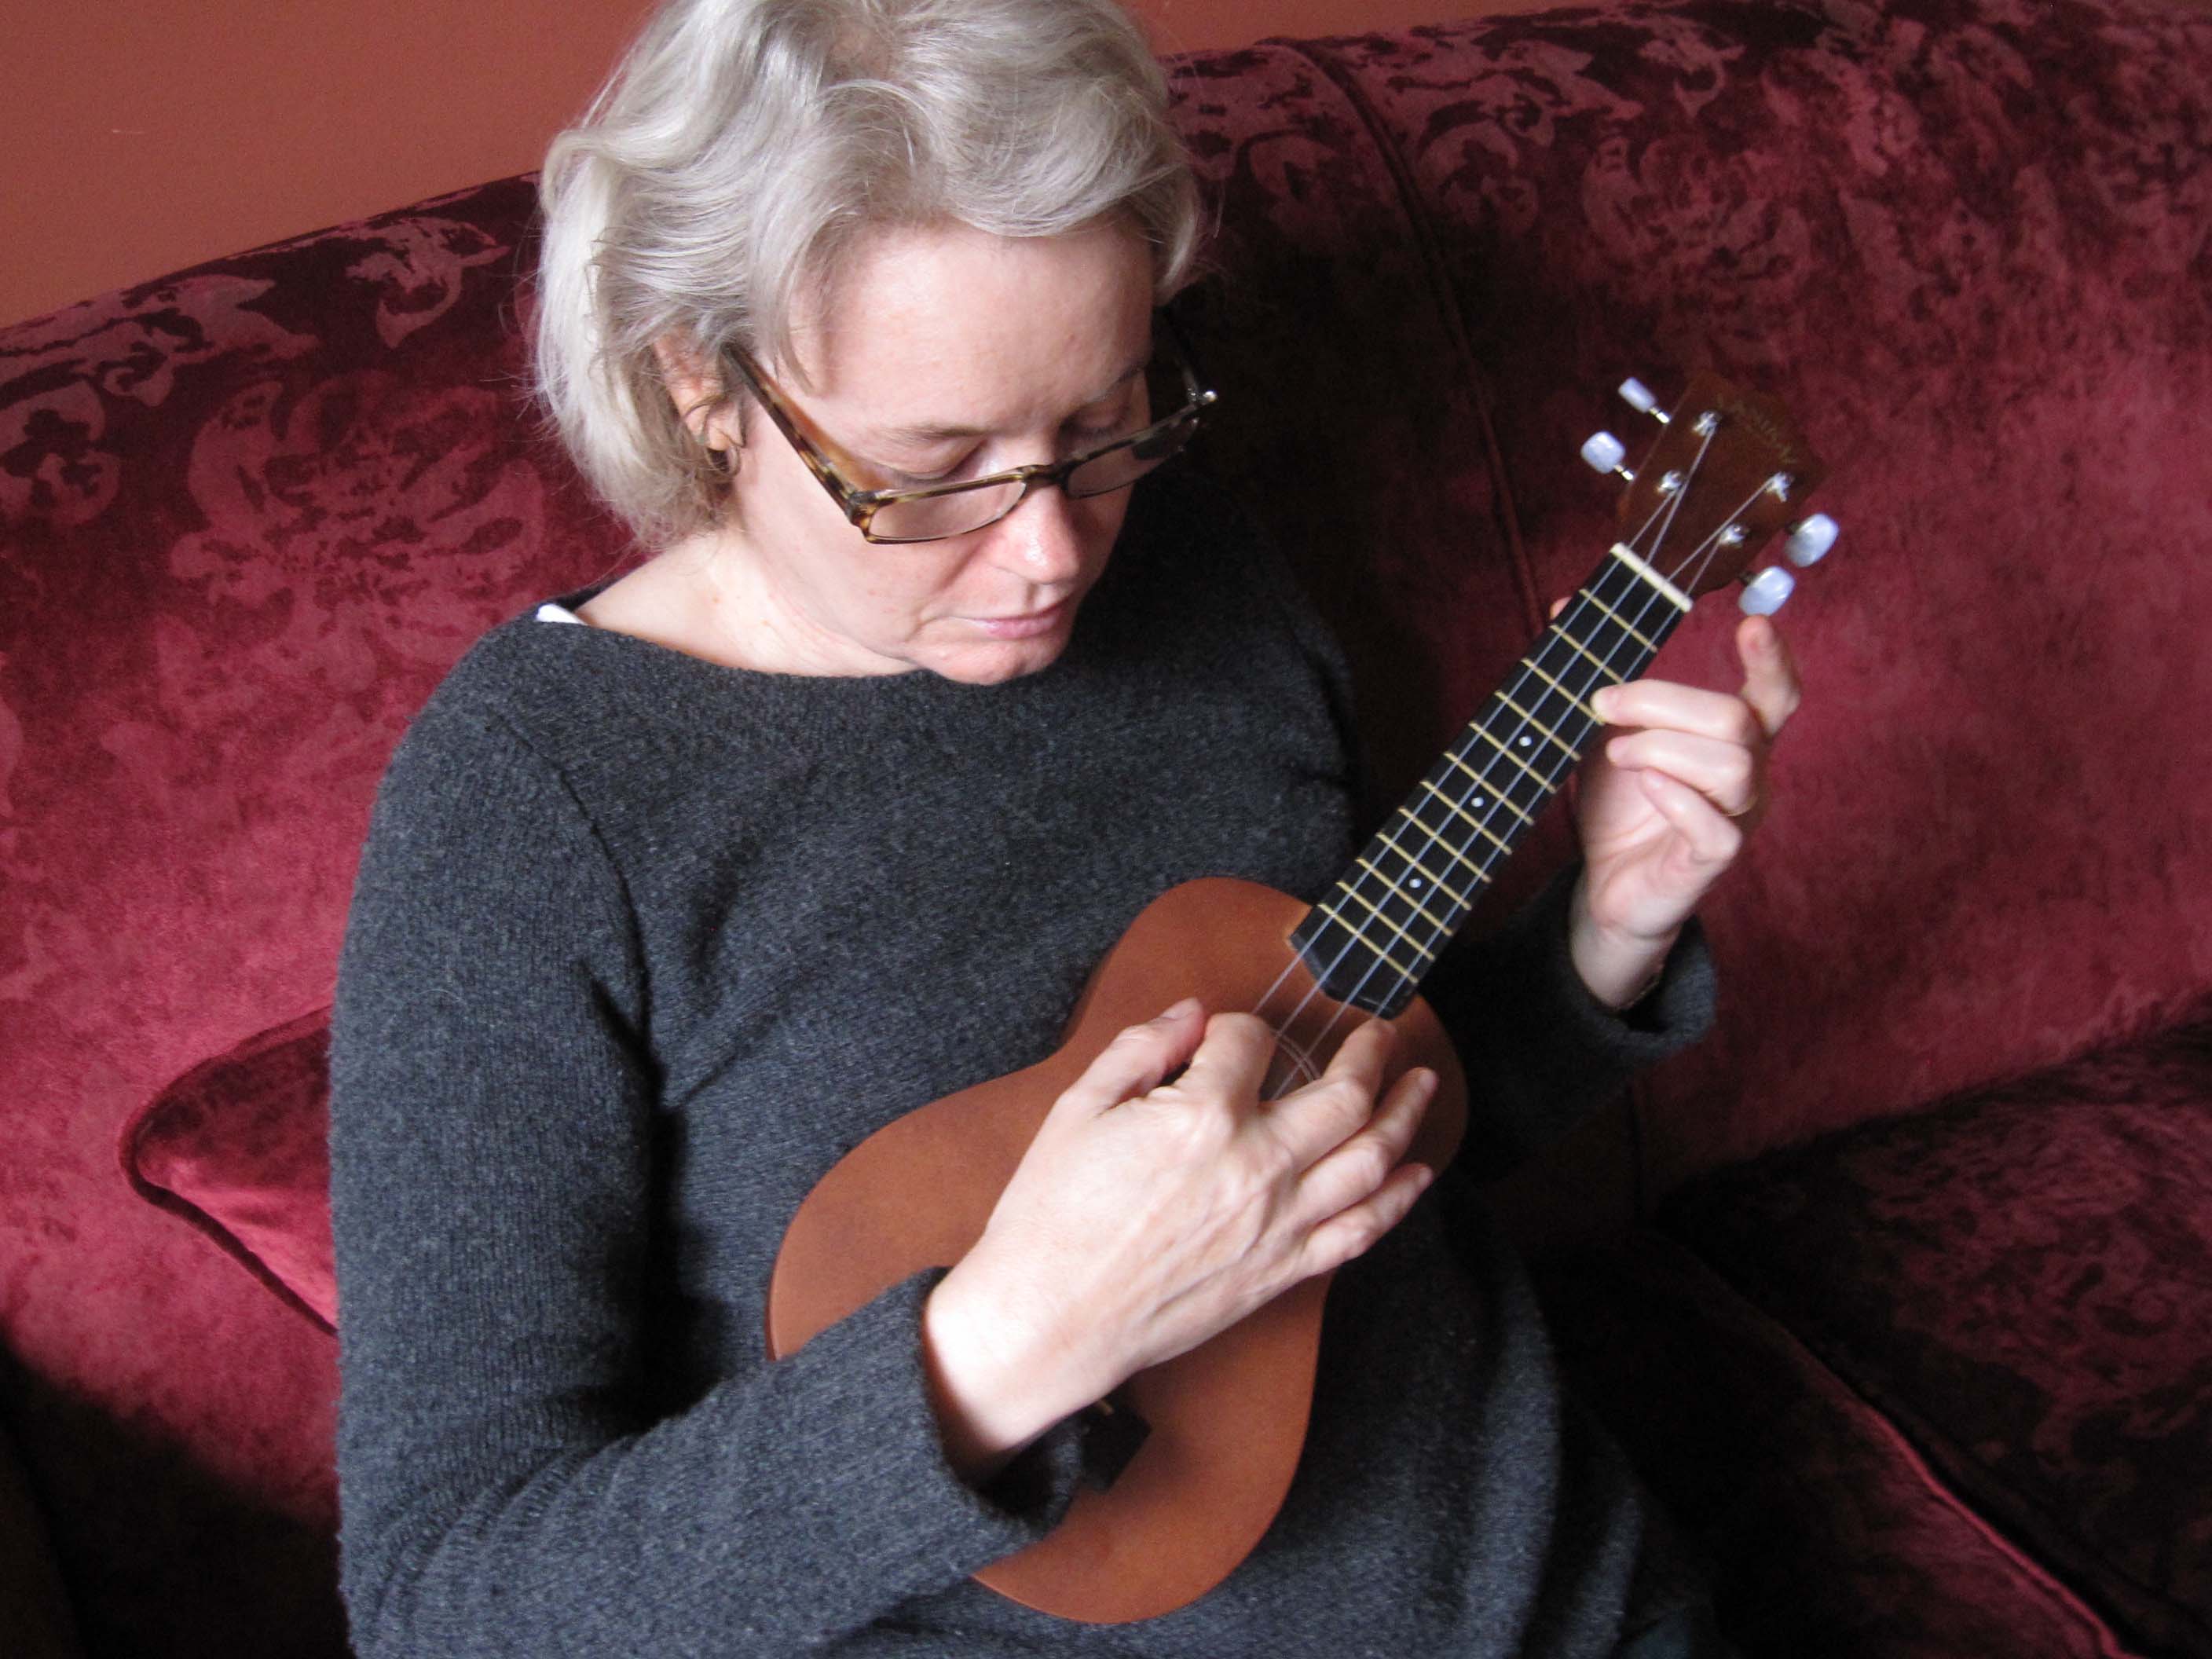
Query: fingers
1772, 692
1136, 1061
1352, 1231
1358, 1167
1725, 774
1769, 673
1704, 713
1310, 1122
1230, 1063
1713, 838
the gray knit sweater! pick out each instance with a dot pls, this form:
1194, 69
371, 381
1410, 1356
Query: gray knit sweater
641, 944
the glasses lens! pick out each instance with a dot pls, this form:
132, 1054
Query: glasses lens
926, 518
1166, 401
1122, 465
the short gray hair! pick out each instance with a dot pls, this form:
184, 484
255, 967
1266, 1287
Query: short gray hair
740, 147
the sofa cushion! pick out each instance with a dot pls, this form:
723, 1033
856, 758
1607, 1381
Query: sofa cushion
1824, 1536
238, 1147
2019, 1279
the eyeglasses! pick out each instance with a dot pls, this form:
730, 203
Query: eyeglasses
932, 513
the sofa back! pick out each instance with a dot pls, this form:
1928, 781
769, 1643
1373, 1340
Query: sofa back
249, 514
1968, 243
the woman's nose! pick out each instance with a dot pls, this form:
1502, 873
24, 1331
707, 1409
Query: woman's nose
1042, 539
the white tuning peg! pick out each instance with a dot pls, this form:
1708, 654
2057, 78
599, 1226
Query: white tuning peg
1810, 540
1604, 453
1638, 396
1766, 592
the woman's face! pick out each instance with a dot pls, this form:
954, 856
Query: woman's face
944, 353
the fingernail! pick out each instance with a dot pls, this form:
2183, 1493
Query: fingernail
1603, 702
1188, 1006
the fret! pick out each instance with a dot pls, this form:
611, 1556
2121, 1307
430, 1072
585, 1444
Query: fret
1425, 952
1461, 813
1624, 627
1558, 742
1458, 861
1542, 783
1406, 976
1521, 789
1418, 904
1478, 778
1576, 646
1466, 814
1581, 707
1628, 557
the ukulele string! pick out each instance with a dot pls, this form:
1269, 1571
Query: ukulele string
1650, 602
1303, 1063
1355, 935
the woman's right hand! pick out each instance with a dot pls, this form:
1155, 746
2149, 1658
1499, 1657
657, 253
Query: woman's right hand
1148, 1215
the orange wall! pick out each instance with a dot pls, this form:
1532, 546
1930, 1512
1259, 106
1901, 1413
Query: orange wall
144, 135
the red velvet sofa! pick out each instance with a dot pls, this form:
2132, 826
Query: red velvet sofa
1900, 1287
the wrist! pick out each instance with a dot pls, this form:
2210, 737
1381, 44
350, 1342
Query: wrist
993, 1392
1619, 968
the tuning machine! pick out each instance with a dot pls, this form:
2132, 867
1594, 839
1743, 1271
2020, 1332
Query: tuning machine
1695, 473
1603, 452
1810, 539
1806, 544
1638, 396
1766, 592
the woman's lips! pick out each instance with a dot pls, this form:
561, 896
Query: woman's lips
1029, 624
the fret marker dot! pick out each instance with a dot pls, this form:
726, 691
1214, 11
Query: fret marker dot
1524, 743
1415, 881
1478, 801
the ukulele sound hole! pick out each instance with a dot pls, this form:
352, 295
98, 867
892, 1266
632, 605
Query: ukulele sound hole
1291, 1068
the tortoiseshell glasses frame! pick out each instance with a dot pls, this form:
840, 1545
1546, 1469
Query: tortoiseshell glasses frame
880, 515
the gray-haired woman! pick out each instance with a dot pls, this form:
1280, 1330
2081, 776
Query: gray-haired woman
684, 882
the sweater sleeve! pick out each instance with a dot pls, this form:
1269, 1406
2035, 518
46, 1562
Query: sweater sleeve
1541, 1052
506, 1487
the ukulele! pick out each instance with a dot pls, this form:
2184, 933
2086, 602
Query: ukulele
1225, 1422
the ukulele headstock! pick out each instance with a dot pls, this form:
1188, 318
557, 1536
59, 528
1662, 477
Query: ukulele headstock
1728, 471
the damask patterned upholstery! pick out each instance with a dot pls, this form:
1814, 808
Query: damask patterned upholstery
2021, 1281
250, 514
1828, 1535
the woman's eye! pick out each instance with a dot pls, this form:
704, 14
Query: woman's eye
1104, 421
1102, 425
903, 480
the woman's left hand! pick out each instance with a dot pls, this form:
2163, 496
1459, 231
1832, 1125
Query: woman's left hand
1668, 799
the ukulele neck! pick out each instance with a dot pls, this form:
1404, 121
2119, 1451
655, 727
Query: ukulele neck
1373, 939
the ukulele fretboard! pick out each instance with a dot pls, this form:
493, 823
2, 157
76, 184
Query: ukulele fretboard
1372, 938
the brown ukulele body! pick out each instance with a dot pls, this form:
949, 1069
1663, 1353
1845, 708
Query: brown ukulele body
1227, 1419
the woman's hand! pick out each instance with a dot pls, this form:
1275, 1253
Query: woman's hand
1148, 1215
1667, 802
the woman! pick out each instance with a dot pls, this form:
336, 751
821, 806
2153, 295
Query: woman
683, 885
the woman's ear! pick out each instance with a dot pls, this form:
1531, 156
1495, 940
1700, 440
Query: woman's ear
697, 393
